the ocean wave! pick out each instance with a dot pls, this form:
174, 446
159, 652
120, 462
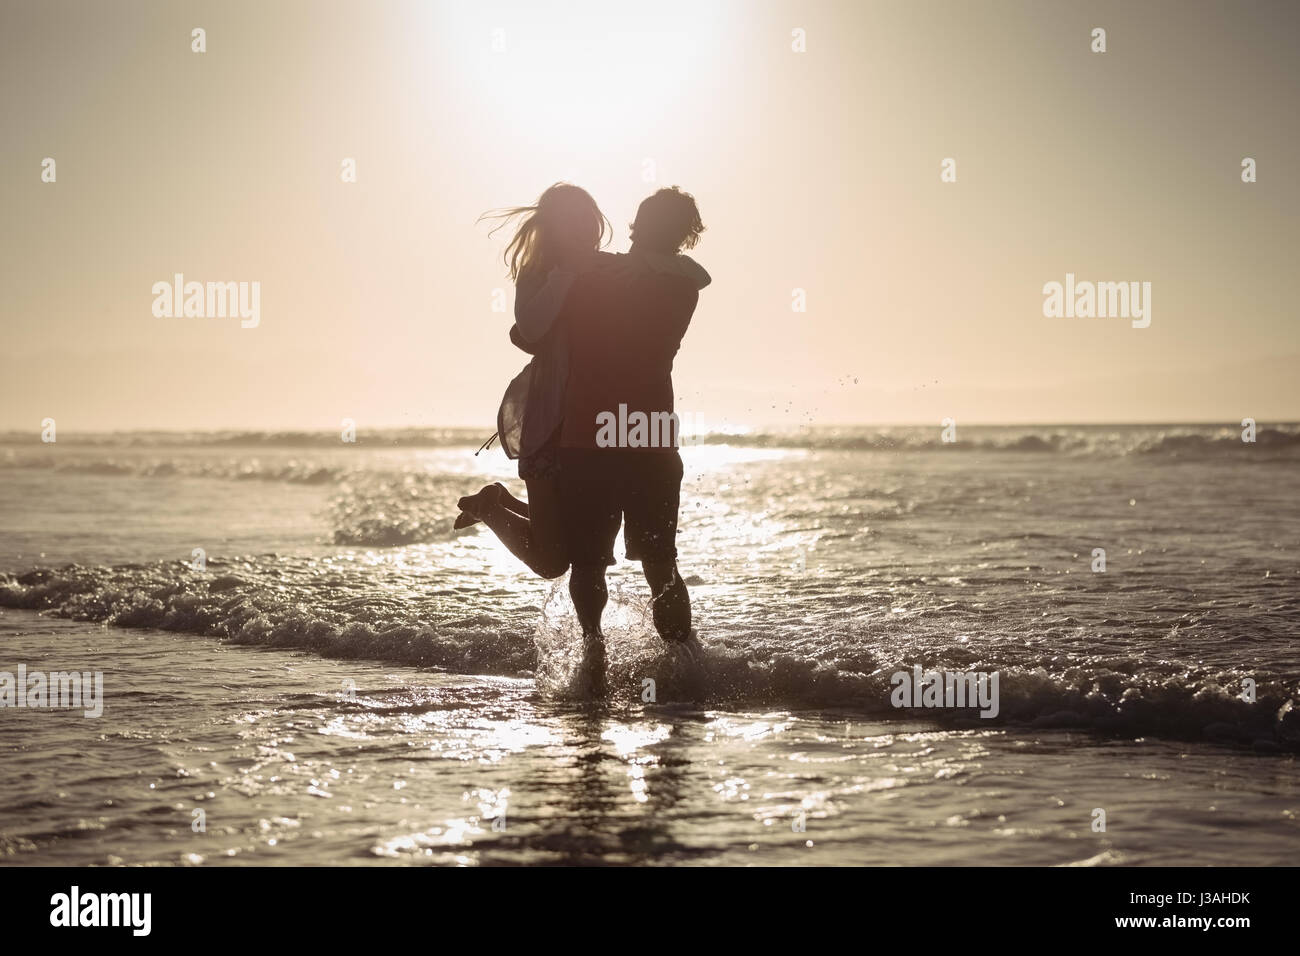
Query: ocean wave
386, 509
366, 437
1174, 442
201, 453
291, 471
340, 610
249, 602
374, 505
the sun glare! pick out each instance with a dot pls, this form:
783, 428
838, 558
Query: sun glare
601, 79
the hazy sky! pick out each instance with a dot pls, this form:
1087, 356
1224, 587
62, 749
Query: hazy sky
817, 170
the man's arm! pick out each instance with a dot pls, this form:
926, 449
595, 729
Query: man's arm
679, 265
640, 262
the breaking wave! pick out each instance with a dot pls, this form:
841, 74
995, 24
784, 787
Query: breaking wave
338, 609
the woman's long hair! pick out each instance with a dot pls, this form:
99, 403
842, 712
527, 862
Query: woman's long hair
564, 216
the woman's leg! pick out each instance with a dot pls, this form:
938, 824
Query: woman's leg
511, 502
538, 539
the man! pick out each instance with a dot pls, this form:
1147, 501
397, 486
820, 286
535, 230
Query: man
624, 329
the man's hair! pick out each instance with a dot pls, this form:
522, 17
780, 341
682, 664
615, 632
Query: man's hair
668, 221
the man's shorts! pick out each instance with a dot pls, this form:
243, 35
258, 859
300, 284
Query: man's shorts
601, 488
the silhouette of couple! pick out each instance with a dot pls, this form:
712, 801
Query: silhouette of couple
602, 330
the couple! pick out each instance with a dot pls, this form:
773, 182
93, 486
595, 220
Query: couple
602, 330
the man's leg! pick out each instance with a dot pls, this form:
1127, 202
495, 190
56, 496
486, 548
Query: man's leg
670, 603
653, 493
589, 593
590, 522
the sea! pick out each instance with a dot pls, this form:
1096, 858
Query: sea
302, 663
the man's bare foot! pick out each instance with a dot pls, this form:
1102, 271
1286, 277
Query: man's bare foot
693, 648
592, 669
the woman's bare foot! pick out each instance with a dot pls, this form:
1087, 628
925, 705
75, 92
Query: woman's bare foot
473, 506
495, 493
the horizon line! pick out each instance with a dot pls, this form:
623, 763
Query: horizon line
6, 432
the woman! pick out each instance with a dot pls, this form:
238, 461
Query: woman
557, 237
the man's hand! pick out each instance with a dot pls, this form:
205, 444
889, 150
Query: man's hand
623, 267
